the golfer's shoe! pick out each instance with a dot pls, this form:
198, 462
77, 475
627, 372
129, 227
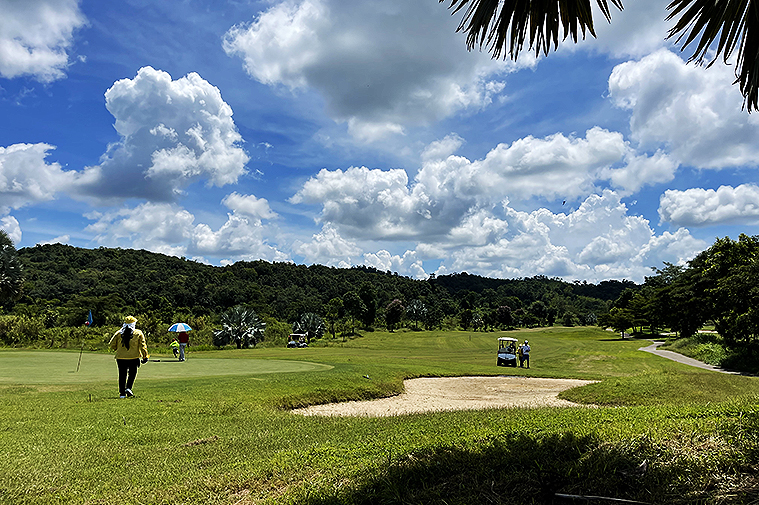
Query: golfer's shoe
122, 396
129, 393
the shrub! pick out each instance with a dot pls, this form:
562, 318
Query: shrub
20, 330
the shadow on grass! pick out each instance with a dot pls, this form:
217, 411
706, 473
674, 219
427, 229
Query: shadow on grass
524, 469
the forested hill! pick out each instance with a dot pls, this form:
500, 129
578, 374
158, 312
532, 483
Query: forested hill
109, 281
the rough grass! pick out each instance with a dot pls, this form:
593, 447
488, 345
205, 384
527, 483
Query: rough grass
229, 440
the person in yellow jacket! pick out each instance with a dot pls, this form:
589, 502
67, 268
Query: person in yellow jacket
131, 347
175, 347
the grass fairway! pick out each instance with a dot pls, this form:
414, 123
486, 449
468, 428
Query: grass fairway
58, 367
228, 438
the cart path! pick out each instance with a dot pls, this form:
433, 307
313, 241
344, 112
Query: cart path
674, 356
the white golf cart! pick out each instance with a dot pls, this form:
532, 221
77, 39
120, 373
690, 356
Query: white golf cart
507, 351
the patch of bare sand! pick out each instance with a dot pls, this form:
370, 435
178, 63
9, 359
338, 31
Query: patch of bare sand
456, 393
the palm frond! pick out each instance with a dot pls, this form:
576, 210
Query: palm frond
727, 22
496, 23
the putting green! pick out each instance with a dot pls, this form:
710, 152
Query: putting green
43, 367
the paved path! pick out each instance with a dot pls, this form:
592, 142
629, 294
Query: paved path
680, 358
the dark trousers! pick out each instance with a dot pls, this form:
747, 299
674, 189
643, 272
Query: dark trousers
127, 373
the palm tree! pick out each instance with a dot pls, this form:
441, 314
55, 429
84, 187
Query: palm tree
240, 326
311, 325
487, 23
416, 311
11, 271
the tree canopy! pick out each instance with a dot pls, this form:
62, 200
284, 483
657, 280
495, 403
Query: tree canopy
11, 271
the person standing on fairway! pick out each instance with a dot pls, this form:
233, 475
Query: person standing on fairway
130, 345
184, 340
525, 354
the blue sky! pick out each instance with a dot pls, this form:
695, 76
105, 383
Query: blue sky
363, 133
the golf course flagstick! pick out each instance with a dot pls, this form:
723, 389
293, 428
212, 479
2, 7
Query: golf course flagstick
80, 357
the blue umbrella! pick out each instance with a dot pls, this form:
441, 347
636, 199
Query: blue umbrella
178, 327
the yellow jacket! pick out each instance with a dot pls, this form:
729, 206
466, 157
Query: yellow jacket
137, 346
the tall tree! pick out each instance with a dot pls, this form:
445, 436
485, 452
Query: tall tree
354, 307
11, 271
335, 312
730, 271
416, 311
498, 25
503, 316
539, 310
433, 316
394, 313
368, 296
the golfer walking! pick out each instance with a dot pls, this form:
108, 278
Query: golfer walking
129, 344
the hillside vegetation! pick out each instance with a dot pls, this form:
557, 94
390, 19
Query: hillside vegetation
63, 284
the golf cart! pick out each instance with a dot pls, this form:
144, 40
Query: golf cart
297, 340
507, 351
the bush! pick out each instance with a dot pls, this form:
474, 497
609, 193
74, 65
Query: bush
276, 333
21, 330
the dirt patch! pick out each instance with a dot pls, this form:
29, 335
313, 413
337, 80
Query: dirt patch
456, 393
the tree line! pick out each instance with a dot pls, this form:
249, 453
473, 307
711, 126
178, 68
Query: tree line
719, 287
62, 284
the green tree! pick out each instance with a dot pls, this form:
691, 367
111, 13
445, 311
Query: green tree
466, 316
354, 307
539, 310
240, 326
368, 296
433, 317
335, 312
497, 25
416, 311
504, 316
394, 313
568, 319
477, 321
729, 272
11, 270
617, 319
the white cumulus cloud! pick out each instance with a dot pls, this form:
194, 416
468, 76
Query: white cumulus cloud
328, 248
598, 241
169, 229
703, 207
173, 132
377, 68
691, 112
249, 206
36, 36
26, 178
449, 190
636, 31
11, 227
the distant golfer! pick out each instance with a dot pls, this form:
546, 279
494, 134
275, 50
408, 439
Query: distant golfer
184, 340
525, 354
129, 344
174, 347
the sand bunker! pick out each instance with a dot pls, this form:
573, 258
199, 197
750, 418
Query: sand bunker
456, 393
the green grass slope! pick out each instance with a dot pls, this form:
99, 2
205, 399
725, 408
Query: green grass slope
227, 437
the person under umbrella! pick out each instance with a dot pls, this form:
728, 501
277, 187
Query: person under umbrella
184, 339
